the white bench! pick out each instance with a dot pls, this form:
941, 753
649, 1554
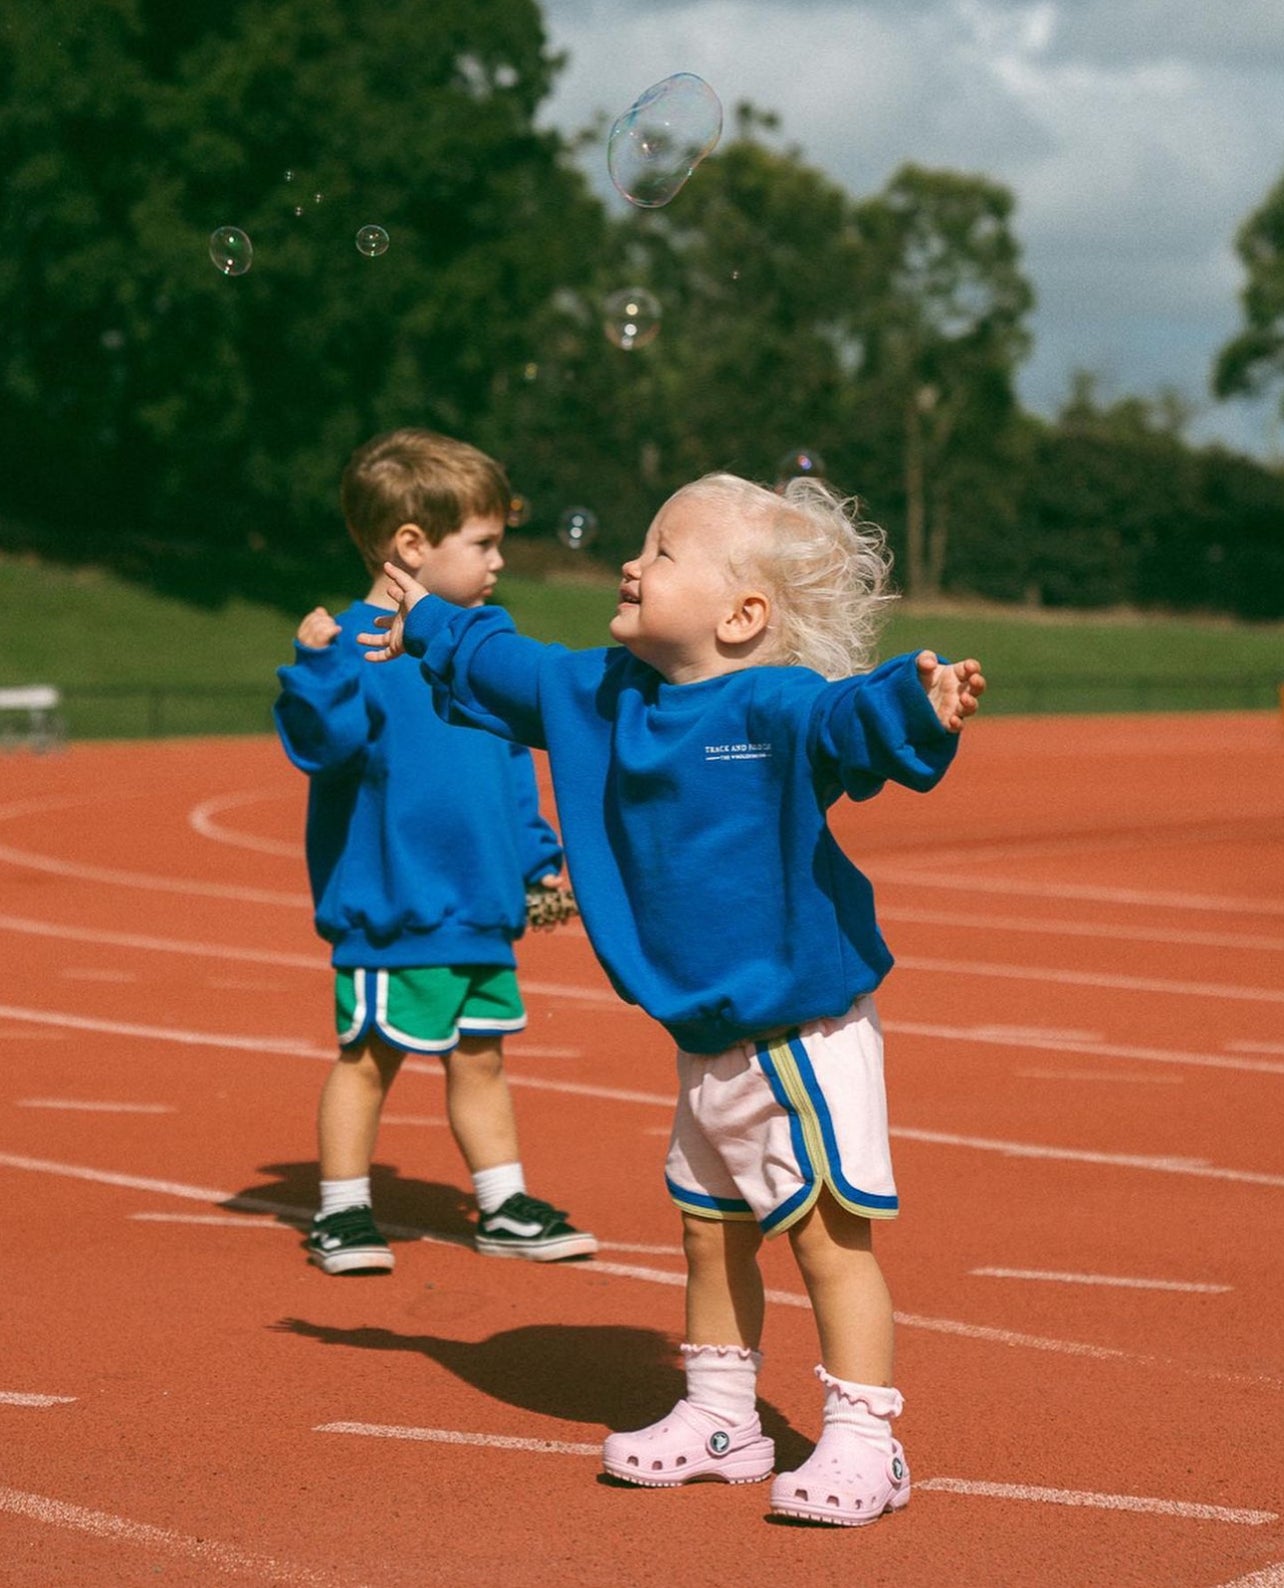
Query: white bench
31, 717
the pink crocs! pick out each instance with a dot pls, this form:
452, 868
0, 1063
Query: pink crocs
689, 1446
845, 1481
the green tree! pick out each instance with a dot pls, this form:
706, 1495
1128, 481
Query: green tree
942, 331
205, 417
1254, 359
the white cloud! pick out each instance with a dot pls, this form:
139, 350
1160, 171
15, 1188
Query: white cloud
1136, 135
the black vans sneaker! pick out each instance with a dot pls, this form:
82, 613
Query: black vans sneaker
347, 1242
526, 1227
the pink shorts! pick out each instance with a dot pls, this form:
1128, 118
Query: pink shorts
762, 1127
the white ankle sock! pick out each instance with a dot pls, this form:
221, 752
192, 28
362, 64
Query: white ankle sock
723, 1381
493, 1187
865, 1408
339, 1194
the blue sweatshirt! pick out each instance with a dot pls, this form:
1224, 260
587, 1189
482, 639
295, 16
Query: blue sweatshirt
421, 838
694, 814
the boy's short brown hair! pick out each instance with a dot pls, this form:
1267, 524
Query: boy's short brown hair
411, 476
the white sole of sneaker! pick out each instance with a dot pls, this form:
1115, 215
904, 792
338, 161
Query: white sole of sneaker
545, 1252
373, 1262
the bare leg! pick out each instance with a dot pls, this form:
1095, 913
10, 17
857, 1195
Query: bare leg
351, 1103
849, 1296
724, 1286
478, 1104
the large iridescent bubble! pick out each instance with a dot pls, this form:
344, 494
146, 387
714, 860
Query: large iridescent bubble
661, 138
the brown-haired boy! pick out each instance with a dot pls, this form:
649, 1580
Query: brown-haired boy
422, 840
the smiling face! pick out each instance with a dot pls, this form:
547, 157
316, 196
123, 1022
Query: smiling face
681, 608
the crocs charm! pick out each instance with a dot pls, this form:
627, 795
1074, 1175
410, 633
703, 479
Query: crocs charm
898, 1468
719, 1442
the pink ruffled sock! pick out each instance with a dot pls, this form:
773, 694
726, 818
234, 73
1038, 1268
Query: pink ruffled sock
722, 1381
867, 1409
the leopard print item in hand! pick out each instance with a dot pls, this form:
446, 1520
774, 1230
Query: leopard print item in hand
549, 907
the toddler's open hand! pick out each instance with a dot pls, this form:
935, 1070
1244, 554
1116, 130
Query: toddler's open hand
954, 688
406, 591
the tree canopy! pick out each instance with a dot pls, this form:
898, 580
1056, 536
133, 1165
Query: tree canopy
188, 427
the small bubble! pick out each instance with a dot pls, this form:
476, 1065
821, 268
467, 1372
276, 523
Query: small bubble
519, 512
631, 317
372, 241
318, 198
577, 528
289, 176
801, 463
231, 250
660, 139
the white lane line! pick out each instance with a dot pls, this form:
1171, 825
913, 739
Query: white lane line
1104, 1502
189, 887
656, 1276
1103, 1279
1183, 1509
120, 1530
1255, 1047
160, 945
603, 995
74, 973
1145, 898
413, 1119
226, 1221
1100, 1075
79, 1106
996, 1036
1268, 1577
1085, 978
452, 1436
1051, 926
14, 1398
1199, 1168
201, 818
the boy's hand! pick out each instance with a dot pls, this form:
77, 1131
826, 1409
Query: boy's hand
954, 688
406, 591
317, 630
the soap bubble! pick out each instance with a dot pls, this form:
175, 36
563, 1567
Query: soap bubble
801, 463
631, 317
231, 250
661, 138
577, 528
519, 512
372, 241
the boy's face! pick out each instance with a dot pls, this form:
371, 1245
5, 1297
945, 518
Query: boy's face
463, 568
677, 591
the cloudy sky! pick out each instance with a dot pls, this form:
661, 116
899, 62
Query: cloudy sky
1136, 135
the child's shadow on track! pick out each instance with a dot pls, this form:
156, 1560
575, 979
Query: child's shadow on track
405, 1206
608, 1374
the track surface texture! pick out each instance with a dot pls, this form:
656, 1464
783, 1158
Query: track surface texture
1086, 1073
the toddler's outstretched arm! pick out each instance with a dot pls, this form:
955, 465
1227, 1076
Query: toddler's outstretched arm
406, 591
954, 688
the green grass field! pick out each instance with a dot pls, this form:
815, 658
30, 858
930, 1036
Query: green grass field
132, 663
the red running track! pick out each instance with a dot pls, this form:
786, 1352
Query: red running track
1086, 1062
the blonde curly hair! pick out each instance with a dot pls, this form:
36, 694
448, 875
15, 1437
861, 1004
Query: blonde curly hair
827, 569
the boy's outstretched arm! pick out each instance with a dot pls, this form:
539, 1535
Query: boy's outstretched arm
954, 688
406, 591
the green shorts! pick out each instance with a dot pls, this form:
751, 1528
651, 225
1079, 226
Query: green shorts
427, 1009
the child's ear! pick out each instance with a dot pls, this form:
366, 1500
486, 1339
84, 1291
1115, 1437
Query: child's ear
409, 547
747, 619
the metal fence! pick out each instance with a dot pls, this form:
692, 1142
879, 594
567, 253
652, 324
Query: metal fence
157, 711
